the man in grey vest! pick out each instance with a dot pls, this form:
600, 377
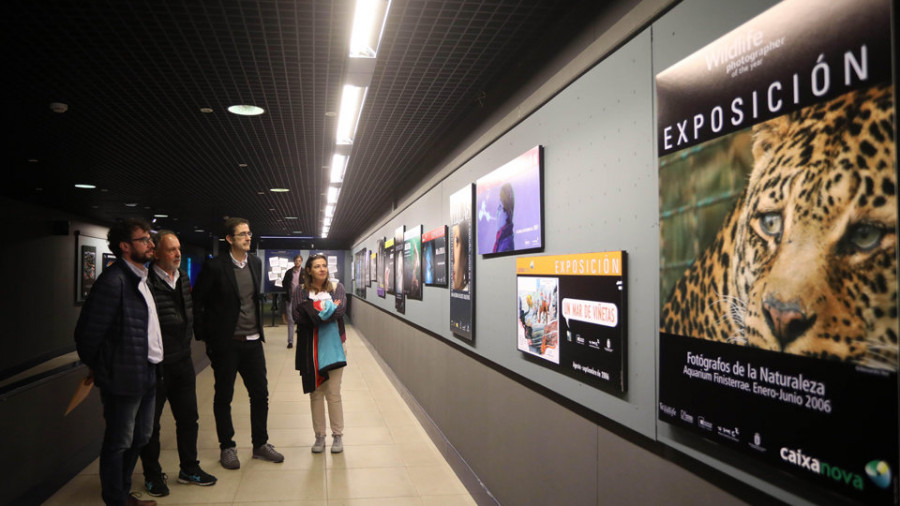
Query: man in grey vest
228, 317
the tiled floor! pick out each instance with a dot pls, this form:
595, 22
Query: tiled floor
388, 459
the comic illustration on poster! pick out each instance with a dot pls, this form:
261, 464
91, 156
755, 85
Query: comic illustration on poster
778, 245
571, 315
462, 264
412, 262
510, 206
434, 249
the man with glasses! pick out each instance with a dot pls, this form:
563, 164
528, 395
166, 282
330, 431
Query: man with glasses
118, 337
228, 317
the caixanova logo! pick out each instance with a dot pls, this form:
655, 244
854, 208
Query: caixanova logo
814, 465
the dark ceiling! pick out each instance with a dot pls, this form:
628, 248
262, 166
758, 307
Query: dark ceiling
135, 75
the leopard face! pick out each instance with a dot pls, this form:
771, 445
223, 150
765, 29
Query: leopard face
806, 263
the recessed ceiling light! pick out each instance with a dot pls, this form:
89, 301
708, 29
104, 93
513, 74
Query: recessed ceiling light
199, 230
206, 110
85, 186
131, 204
260, 193
290, 217
279, 190
242, 165
246, 110
160, 215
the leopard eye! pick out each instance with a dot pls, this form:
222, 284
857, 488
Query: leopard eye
771, 224
865, 236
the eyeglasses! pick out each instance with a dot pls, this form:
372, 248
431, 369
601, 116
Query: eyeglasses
244, 234
145, 239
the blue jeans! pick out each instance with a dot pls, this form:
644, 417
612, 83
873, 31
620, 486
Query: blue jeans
129, 422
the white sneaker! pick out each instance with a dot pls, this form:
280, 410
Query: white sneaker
319, 445
337, 446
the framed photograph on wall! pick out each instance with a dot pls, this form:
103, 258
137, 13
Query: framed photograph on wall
778, 225
373, 266
91, 255
412, 262
462, 264
389, 280
510, 208
398, 260
434, 251
380, 269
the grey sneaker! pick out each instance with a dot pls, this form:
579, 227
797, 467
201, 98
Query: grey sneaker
337, 446
267, 452
319, 445
229, 458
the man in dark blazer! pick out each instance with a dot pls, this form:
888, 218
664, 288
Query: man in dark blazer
228, 317
292, 278
118, 337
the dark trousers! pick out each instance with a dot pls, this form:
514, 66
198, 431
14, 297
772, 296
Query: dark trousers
178, 386
227, 360
129, 422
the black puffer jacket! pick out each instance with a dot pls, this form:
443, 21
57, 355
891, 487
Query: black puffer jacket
176, 315
111, 333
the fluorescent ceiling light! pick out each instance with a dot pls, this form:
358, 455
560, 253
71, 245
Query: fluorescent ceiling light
85, 186
246, 110
279, 190
333, 193
329, 210
160, 215
348, 117
338, 166
368, 25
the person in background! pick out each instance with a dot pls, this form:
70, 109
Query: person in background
505, 240
228, 317
460, 238
171, 289
118, 337
318, 307
292, 279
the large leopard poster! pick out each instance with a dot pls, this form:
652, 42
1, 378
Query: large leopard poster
778, 244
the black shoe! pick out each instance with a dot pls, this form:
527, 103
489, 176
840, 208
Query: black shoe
156, 486
196, 476
290, 345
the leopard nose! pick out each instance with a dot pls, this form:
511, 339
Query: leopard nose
786, 321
